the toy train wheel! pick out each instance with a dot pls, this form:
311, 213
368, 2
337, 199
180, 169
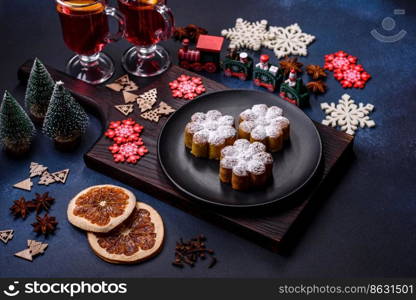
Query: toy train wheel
227, 72
210, 67
257, 82
184, 64
242, 76
197, 67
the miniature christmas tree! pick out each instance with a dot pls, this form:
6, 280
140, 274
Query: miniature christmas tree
16, 128
65, 120
39, 91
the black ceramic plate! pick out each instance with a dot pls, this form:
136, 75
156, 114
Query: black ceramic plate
198, 177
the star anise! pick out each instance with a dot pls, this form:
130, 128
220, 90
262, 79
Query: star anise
190, 32
315, 71
43, 201
290, 63
20, 207
316, 87
44, 225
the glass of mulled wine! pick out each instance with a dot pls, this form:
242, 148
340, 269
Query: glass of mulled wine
86, 32
147, 23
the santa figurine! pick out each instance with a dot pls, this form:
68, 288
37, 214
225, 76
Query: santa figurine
264, 62
244, 57
291, 81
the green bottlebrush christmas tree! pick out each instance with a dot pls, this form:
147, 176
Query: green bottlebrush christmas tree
65, 120
16, 128
39, 90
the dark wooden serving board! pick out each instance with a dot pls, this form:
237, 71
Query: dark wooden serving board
268, 226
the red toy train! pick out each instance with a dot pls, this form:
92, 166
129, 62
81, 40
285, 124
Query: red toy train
206, 56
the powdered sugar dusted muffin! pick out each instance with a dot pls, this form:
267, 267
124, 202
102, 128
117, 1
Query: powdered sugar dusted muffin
264, 124
208, 133
245, 165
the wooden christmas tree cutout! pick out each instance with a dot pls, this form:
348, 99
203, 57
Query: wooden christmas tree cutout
125, 109
151, 115
165, 109
123, 84
115, 87
34, 248
119, 83
123, 80
24, 185
131, 86
129, 97
147, 99
6, 235
46, 178
60, 176
36, 169
25, 254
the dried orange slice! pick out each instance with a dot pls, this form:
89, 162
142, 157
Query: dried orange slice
136, 239
101, 208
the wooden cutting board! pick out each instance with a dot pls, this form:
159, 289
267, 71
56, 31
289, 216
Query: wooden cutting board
268, 226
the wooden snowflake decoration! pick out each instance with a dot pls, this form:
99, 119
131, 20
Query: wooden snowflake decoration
288, 40
338, 60
128, 152
187, 87
246, 34
124, 131
347, 115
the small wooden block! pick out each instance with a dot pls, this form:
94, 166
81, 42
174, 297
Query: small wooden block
60, 176
6, 235
151, 115
25, 254
36, 169
165, 109
129, 97
46, 178
125, 109
24, 185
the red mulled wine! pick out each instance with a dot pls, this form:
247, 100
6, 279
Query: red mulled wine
144, 24
84, 25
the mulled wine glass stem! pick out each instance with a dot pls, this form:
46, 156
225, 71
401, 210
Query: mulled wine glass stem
145, 27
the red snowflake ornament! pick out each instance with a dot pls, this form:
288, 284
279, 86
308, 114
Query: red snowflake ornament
186, 87
124, 131
338, 60
129, 152
352, 76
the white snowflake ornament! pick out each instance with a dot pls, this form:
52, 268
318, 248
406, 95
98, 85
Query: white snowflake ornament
288, 40
347, 115
246, 34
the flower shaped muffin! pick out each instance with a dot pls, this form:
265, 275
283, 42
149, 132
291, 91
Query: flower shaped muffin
208, 133
245, 165
264, 124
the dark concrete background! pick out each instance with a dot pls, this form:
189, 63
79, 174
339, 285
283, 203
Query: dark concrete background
365, 226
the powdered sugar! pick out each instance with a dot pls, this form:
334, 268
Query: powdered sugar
211, 127
262, 121
245, 157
